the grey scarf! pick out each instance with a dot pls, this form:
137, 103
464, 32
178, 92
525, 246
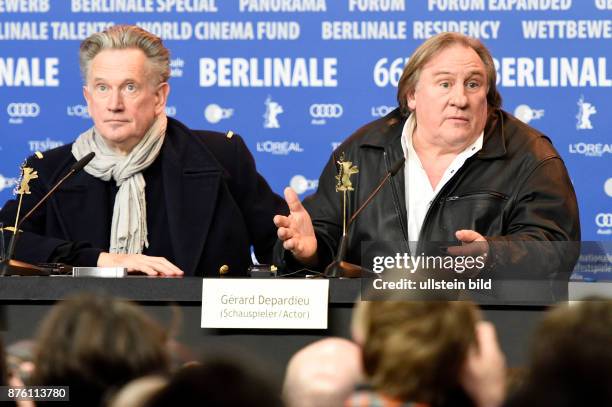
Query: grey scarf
129, 224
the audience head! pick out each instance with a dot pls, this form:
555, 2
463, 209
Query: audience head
416, 350
571, 360
137, 393
95, 345
217, 382
3, 367
323, 373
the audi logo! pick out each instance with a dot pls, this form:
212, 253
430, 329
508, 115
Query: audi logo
326, 111
604, 220
23, 109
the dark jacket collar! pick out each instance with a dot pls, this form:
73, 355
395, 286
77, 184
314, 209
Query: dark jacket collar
494, 143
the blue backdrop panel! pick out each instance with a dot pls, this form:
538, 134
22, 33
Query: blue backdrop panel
296, 77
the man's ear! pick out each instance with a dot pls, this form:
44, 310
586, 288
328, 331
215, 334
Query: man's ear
161, 97
411, 99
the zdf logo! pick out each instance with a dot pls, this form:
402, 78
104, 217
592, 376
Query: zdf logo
604, 220
301, 184
23, 109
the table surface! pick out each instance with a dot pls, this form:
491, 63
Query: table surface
189, 289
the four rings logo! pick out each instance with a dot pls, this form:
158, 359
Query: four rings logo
604, 220
18, 111
604, 223
322, 111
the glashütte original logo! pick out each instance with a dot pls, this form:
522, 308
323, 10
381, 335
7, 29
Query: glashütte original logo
320, 112
17, 111
279, 147
44, 145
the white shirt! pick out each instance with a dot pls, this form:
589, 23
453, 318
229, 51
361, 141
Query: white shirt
418, 190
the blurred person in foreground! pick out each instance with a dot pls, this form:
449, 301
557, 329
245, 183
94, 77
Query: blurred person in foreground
138, 392
427, 353
95, 345
474, 175
571, 358
217, 382
6, 379
158, 197
323, 374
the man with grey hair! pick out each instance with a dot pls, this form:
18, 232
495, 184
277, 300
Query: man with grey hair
473, 173
158, 198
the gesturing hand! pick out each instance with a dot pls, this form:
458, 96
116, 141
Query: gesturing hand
472, 244
296, 230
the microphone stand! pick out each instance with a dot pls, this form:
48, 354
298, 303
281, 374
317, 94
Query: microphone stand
339, 267
25, 268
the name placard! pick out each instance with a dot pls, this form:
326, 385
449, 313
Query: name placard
264, 303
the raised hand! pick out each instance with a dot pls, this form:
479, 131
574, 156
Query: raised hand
296, 230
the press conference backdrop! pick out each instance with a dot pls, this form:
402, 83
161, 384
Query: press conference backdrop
296, 77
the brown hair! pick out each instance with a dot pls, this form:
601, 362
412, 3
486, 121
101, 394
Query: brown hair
571, 360
96, 344
430, 48
127, 37
414, 350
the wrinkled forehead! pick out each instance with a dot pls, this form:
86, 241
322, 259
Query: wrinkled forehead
119, 65
455, 59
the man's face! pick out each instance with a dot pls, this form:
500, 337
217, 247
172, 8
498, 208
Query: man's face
122, 98
450, 98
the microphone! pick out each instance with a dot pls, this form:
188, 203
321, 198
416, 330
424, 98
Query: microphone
339, 267
76, 167
79, 165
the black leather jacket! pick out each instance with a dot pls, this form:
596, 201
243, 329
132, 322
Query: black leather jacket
515, 189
